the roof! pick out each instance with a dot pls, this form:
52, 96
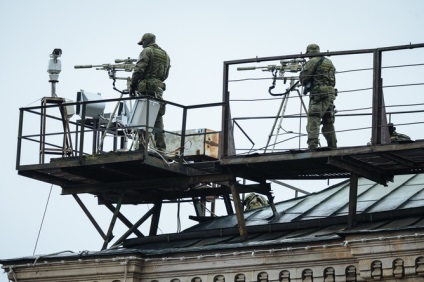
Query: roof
316, 217
407, 191
320, 216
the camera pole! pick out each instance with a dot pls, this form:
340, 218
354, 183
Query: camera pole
54, 68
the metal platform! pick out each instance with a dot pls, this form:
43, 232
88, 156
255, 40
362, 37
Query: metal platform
144, 179
378, 163
140, 176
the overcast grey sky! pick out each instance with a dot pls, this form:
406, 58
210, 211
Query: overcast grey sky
198, 35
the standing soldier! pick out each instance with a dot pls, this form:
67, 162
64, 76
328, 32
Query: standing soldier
150, 72
318, 78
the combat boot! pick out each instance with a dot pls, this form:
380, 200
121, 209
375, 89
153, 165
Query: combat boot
312, 143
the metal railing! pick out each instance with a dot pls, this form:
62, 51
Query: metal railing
88, 130
374, 116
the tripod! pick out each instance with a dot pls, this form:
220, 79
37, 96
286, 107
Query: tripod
275, 130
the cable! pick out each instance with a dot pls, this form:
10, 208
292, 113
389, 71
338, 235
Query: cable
206, 208
33, 102
248, 79
42, 221
403, 85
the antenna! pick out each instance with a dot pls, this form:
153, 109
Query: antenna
54, 68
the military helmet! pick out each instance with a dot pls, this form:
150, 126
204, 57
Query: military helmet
391, 127
312, 48
147, 36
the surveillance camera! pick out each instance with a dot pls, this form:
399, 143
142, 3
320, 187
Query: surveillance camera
55, 66
57, 52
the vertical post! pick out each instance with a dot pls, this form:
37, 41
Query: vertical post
213, 205
155, 218
43, 130
53, 88
239, 212
81, 148
18, 152
377, 99
76, 137
353, 199
96, 132
227, 203
271, 204
225, 115
197, 206
183, 133
146, 133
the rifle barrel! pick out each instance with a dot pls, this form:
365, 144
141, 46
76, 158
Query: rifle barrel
83, 66
246, 68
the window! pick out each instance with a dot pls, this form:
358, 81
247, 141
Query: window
196, 279
219, 278
376, 270
398, 269
307, 275
285, 276
329, 274
240, 278
351, 273
263, 277
419, 265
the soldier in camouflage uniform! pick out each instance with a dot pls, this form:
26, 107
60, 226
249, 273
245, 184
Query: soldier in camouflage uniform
397, 137
150, 72
254, 201
319, 76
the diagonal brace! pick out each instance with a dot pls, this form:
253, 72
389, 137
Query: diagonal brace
352, 166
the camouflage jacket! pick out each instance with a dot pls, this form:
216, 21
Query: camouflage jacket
254, 201
399, 137
153, 63
323, 76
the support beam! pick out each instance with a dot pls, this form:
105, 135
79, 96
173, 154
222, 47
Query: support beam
112, 223
121, 217
377, 99
239, 212
290, 187
397, 159
155, 219
90, 217
353, 200
227, 202
224, 146
198, 208
134, 227
361, 169
272, 205
144, 184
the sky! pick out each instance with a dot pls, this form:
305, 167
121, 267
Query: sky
198, 36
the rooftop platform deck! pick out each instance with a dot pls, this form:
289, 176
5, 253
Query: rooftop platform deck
140, 175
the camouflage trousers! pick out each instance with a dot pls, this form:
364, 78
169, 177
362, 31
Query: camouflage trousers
321, 111
158, 127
